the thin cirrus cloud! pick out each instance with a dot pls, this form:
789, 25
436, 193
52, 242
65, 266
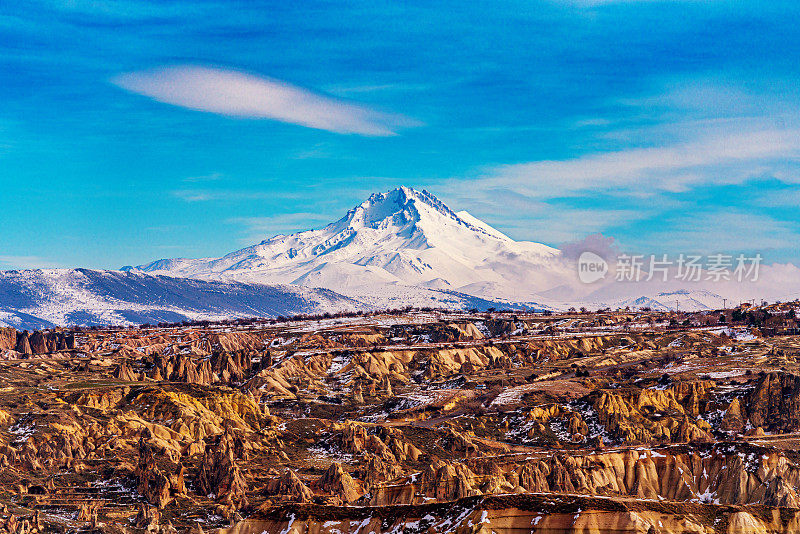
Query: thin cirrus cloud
730, 158
238, 94
259, 228
205, 195
27, 262
711, 231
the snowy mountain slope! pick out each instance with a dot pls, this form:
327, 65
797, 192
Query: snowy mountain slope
396, 249
685, 300
35, 299
41, 298
400, 238
405, 247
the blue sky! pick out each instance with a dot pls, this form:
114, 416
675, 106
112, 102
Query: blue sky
131, 131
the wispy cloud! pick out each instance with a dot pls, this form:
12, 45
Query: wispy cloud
238, 94
27, 262
557, 224
260, 228
646, 183
778, 199
348, 90
710, 232
540, 220
590, 3
206, 195
211, 177
721, 159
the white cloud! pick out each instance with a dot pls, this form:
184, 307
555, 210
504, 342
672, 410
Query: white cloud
555, 225
722, 159
206, 195
600, 244
27, 262
711, 232
260, 228
212, 177
523, 218
237, 94
592, 3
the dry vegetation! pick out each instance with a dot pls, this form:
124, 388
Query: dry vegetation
418, 421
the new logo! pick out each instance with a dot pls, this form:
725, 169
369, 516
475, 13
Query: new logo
591, 267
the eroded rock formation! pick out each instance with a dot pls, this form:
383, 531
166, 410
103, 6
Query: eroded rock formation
481, 422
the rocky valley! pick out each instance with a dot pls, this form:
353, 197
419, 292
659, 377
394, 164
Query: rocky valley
405, 421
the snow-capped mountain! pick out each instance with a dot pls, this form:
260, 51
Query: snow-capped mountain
682, 299
399, 248
405, 247
43, 298
400, 245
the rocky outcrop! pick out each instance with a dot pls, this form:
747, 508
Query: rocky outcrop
182, 368
655, 415
774, 405
39, 343
23, 344
510, 514
748, 476
339, 483
220, 474
124, 372
280, 380
716, 475
8, 339
231, 366
541, 418
447, 482
155, 485
88, 512
343, 427
781, 493
198, 416
734, 419
237, 341
43, 342
445, 362
147, 518
460, 444
387, 443
289, 487
378, 471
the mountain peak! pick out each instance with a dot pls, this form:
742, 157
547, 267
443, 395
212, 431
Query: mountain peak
403, 196
403, 237
407, 206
